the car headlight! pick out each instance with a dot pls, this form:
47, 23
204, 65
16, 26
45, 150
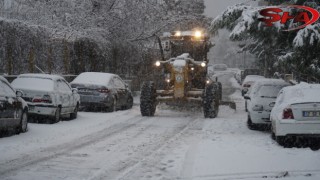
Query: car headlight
198, 34
178, 33
203, 64
158, 63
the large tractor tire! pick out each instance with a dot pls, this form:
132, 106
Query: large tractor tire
220, 90
210, 101
148, 99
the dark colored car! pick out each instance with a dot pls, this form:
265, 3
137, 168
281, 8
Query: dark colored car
103, 91
13, 109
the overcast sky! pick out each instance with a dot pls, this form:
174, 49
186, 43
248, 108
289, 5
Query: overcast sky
215, 7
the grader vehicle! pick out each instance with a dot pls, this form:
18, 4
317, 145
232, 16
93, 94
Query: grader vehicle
183, 77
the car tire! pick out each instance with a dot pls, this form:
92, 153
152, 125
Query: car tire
315, 145
113, 106
148, 96
56, 118
24, 122
273, 136
74, 115
251, 125
129, 103
210, 101
281, 140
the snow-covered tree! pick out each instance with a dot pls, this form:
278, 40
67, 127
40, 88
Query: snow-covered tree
69, 36
275, 50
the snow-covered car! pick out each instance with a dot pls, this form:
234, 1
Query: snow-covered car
261, 99
13, 109
248, 81
296, 114
103, 91
220, 67
247, 72
48, 96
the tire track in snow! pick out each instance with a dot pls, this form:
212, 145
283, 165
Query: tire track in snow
258, 175
131, 166
46, 154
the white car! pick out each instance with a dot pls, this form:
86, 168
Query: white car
248, 81
296, 114
261, 100
48, 95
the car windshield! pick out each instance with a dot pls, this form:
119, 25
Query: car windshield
33, 83
6, 90
269, 91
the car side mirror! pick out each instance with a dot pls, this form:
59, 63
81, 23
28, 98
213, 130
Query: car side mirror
74, 90
246, 97
19, 93
272, 104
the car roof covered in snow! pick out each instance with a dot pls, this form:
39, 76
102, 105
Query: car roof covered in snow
35, 82
252, 78
268, 81
302, 92
42, 76
94, 78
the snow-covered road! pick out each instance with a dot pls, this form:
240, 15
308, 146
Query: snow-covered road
175, 144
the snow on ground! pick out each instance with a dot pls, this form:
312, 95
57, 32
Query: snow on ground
172, 145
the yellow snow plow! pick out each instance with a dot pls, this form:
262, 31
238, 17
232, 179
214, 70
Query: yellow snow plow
184, 77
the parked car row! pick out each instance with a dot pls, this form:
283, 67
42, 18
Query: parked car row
292, 112
48, 98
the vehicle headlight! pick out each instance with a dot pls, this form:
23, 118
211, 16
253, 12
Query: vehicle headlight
203, 64
257, 108
198, 34
168, 80
192, 69
178, 33
158, 63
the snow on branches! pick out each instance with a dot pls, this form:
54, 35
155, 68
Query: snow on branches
271, 46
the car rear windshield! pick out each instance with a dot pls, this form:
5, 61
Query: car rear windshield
87, 86
33, 83
270, 91
304, 95
5, 90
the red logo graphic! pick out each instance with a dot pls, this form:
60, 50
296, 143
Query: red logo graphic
275, 14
